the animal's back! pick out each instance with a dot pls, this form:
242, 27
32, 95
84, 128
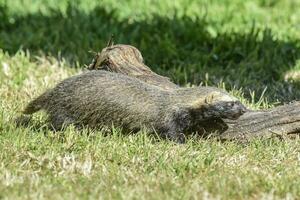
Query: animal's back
98, 98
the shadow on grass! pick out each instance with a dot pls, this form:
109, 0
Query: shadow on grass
179, 47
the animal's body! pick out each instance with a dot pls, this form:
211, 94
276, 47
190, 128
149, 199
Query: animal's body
101, 98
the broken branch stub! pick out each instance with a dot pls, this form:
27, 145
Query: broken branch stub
126, 59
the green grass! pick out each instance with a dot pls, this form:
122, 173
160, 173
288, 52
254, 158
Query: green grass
245, 46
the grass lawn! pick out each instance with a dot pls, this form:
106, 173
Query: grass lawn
249, 47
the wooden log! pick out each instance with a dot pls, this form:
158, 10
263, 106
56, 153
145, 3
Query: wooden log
280, 121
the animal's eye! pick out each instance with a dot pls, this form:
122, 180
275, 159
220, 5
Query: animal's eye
230, 104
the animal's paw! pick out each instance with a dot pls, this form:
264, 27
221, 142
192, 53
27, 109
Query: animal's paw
177, 138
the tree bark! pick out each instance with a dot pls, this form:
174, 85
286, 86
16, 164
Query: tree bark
280, 121
126, 59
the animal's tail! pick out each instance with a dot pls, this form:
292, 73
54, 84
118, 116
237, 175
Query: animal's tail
36, 104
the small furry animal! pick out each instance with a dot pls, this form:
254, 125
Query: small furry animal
99, 98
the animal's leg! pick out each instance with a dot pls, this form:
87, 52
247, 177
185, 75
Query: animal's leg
178, 121
60, 121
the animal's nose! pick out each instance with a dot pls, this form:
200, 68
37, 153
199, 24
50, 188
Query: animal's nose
240, 107
243, 108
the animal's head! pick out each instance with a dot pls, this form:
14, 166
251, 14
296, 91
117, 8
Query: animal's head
219, 104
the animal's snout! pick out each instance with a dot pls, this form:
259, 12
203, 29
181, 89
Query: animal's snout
239, 106
237, 109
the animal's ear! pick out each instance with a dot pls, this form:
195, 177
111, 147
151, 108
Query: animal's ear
205, 100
